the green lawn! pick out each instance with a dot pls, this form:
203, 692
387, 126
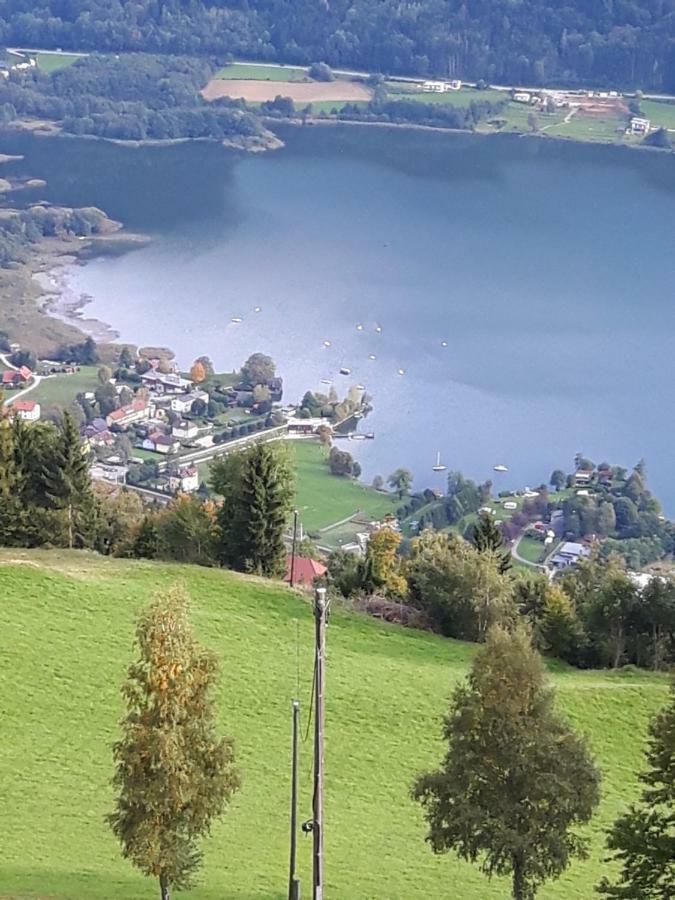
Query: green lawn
531, 549
67, 623
327, 106
252, 72
51, 62
62, 389
465, 96
660, 113
323, 499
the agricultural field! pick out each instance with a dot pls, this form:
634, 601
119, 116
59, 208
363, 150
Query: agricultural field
67, 621
62, 389
323, 499
397, 90
661, 114
52, 62
255, 91
255, 72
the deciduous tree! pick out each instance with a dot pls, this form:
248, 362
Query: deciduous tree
174, 775
516, 779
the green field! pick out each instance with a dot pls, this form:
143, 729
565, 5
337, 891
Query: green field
323, 499
531, 549
252, 72
660, 113
62, 389
67, 625
51, 62
398, 91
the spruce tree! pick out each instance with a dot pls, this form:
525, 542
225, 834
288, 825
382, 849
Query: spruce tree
487, 537
257, 489
68, 483
643, 838
516, 779
12, 513
174, 774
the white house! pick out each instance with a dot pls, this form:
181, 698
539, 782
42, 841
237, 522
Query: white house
522, 97
111, 474
165, 382
185, 430
28, 410
183, 402
639, 125
161, 443
127, 415
185, 479
434, 87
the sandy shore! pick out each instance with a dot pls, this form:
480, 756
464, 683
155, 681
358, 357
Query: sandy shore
60, 301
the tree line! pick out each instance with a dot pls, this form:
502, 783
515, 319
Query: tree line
131, 97
629, 44
20, 230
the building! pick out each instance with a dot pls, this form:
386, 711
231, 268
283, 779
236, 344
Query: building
185, 479
28, 410
127, 415
522, 97
12, 379
185, 430
569, 554
161, 443
109, 474
183, 402
434, 87
306, 426
304, 570
165, 383
639, 125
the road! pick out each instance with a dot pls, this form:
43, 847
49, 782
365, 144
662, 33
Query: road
34, 383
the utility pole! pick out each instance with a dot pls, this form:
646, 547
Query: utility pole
320, 613
294, 546
293, 882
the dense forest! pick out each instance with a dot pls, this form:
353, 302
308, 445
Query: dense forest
135, 97
613, 42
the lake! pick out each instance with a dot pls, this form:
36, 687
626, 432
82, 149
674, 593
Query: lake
524, 287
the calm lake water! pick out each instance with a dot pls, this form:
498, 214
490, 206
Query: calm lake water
549, 270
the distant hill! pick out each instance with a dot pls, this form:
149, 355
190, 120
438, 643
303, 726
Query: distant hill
67, 628
628, 44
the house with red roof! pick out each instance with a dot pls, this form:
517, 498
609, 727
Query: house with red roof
303, 570
127, 415
12, 379
28, 410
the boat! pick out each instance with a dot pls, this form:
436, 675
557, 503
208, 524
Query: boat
359, 327
257, 308
370, 435
501, 468
439, 467
326, 381
401, 371
360, 387
326, 343
378, 328
371, 356
357, 437
345, 371
444, 343
237, 320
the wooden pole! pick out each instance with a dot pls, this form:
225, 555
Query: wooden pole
294, 547
293, 883
320, 609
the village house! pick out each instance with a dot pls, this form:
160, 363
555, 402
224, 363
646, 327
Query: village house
582, 478
127, 415
185, 430
183, 403
28, 410
434, 87
161, 443
522, 97
185, 479
303, 570
165, 383
639, 125
569, 554
306, 426
16, 377
108, 473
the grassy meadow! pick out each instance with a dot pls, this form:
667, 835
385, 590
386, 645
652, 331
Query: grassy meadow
261, 72
67, 622
52, 62
62, 389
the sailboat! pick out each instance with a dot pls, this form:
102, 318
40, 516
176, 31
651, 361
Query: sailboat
501, 468
439, 467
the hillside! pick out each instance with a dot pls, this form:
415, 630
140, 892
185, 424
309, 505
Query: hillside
67, 626
530, 42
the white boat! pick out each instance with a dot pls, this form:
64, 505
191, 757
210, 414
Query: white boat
345, 371
326, 381
360, 387
357, 437
237, 320
444, 343
257, 309
501, 468
378, 328
371, 356
326, 343
359, 327
439, 467
401, 371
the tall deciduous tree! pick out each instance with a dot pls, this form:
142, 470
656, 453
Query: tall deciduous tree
643, 838
174, 774
258, 369
257, 488
400, 480
516, 779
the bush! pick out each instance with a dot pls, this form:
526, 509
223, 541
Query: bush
321, 72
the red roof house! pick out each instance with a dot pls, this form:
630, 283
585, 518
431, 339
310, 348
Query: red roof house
304, 570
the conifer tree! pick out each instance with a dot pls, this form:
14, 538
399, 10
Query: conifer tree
174, 774
643, 838
516, 779
12, 515
68, 483
257, 487
487, 537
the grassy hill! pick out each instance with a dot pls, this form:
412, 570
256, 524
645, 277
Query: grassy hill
67, 628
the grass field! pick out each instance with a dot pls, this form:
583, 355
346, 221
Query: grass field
463, 97
62, 389
323, 499
661, 114
531, 550
51, 62
67, 622
253, 72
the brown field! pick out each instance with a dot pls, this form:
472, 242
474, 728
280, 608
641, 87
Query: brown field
300, 92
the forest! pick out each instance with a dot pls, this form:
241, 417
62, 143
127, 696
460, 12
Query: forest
620, 43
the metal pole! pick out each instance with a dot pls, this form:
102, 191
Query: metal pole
317, 831
294, 547
293, 883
